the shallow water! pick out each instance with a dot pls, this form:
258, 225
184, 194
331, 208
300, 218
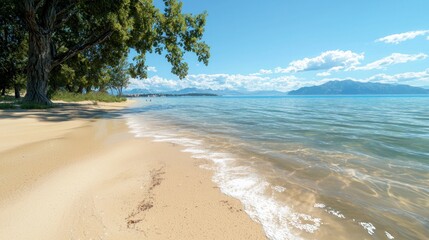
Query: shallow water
308, 167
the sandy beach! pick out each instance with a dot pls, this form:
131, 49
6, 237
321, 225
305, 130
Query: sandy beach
75, 172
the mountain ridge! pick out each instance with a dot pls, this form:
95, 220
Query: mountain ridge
350, 87
224, 92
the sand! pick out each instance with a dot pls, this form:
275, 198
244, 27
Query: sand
76, 172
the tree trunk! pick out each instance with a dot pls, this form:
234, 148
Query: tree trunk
80, 89
39, 67
3, 90
17, 92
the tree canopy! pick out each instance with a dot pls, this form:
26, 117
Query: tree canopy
13, 45
72, 43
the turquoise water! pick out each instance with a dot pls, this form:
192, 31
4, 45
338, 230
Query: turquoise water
308, 167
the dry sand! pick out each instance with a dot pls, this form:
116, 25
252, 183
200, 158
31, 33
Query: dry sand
76, 173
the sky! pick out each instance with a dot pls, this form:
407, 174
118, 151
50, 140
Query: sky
282, 45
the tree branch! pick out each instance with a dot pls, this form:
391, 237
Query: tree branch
66, 9
39, 4
64, 16
91, 41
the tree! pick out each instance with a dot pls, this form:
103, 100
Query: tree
59, 30
118, 76
13, 45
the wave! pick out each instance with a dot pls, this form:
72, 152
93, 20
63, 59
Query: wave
241, 182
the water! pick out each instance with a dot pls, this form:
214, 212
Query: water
308, 167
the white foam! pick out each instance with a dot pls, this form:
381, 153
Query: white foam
368, 226
388, 235
319, 205
241, 182
279, 189
207, 167
194, 150
329, 210
336, 213
276, 218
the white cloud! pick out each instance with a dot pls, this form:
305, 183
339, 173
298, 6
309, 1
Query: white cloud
262, 72
265, 71
394, 58
416, 78
284, 83
236, 82
323, 74
154, 83
400, 37
412, 78
151, 69
334, 60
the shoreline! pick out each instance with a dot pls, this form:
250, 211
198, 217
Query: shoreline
82, 175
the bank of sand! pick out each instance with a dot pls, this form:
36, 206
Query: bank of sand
76, 173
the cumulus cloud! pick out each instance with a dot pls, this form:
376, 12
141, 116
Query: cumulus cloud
262, 72
323, 74
265, 71
284, 83
151, 69
412, 78
334, 60
154, 84
400, 37
417, 78
394, 58
236, 82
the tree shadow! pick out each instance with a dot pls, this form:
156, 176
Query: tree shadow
66, 112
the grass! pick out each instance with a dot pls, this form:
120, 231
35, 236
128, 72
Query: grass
9, 102
8, 105
7, 98
18, 104
92, 96
27, 105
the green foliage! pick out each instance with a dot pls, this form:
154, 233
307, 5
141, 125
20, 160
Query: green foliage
10, 102
8, 105
82, 43
6, 98
13, 45
118, 76
136, 24
92, 96
171, 33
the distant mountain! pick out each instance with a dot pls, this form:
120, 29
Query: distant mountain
190, 91
210, 91
349, 87
136, 91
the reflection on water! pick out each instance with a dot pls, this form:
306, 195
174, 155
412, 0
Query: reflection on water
349, 167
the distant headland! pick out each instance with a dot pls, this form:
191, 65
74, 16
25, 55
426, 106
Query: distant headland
170, 95
349, 87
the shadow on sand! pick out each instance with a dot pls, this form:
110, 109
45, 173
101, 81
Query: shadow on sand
67, 111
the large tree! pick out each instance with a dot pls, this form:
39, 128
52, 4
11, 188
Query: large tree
59, 30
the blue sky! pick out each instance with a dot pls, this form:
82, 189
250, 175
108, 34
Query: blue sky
283, 44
